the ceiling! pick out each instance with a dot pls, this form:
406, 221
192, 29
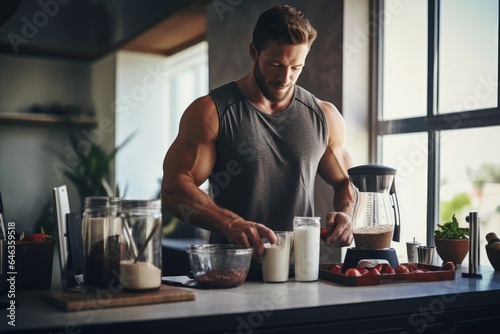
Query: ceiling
89, 29
184, 28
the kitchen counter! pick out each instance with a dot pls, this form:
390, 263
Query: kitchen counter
461, 305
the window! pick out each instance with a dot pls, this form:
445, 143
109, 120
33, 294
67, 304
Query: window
435, 65
152, 93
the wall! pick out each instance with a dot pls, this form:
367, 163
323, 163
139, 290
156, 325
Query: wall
27, 173
26, 80
28, 169
103, 97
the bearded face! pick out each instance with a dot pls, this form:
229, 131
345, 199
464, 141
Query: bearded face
273, 90
277, 69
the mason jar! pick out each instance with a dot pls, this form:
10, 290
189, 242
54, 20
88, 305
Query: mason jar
101, 241
140, 261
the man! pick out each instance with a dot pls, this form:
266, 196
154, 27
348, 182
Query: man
260, 141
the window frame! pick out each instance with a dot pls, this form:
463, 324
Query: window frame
433, 122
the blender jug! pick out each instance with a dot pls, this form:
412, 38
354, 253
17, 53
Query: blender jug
376, 220
376, 214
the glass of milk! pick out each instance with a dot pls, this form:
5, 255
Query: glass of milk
140, 264
306, 236
276, 258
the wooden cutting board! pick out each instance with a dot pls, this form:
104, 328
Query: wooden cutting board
73, 301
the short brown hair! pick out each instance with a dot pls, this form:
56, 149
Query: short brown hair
283, 24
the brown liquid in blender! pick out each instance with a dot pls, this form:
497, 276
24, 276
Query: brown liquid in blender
373, 237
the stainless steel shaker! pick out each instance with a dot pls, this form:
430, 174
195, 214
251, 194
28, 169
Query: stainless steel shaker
474, 261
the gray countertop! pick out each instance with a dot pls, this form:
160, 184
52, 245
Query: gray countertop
263, 304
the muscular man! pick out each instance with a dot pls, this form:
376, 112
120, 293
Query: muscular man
261, 140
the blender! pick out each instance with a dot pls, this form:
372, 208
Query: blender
376, 219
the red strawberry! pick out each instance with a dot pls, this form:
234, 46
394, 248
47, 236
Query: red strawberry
373, 272
336, 269
448, 266
352, 272
362, 270
36, 237
387, 269
402, 269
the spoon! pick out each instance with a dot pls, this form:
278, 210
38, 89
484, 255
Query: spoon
143, 248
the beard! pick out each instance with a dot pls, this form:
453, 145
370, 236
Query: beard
266, 89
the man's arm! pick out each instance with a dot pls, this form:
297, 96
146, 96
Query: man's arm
187, 164
333, 169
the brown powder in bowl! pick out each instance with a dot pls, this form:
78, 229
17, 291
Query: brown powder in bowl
223, 278
373, 237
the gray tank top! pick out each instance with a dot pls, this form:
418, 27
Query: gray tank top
266, 164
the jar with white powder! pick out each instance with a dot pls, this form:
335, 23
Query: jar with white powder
140, 260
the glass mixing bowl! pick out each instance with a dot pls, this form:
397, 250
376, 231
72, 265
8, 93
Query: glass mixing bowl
219, 265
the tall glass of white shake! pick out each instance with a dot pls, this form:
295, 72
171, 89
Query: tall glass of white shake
306, 236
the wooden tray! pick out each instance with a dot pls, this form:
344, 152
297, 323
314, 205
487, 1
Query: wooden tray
434, 274
73, 301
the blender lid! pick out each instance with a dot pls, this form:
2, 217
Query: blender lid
371, 170
373, 178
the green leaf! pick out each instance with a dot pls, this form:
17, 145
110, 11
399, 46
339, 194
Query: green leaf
451, 230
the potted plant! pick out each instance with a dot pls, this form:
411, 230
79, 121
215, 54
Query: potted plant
452, 242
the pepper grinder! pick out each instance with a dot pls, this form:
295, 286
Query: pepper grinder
473, 221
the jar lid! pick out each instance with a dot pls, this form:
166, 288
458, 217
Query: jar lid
101, 201
146, 204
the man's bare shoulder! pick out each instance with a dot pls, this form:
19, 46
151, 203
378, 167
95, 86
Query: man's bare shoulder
200, 117
203, 105
335, 123
201, 109
331, 112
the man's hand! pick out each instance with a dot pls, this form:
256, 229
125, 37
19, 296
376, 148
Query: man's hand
339, 227
249, 234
